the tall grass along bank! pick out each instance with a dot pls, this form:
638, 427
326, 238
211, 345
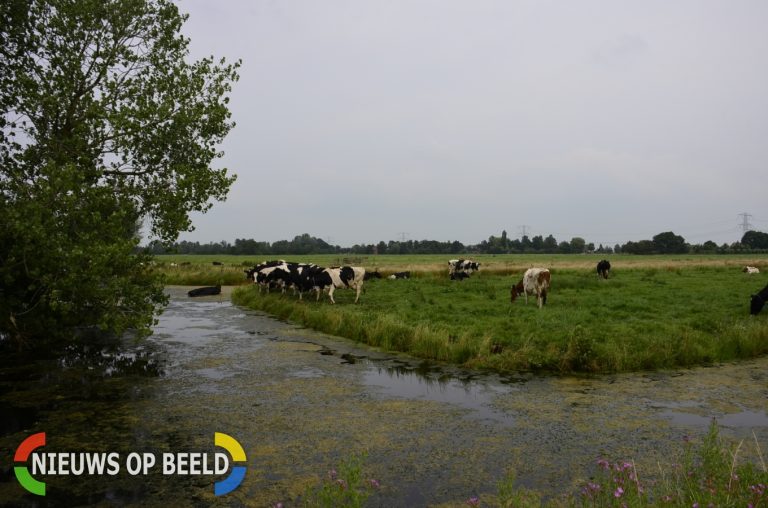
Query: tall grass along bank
640, 318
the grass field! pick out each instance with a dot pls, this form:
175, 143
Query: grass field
654, 312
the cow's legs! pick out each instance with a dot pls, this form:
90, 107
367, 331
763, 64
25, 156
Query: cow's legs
357, 296
330, 293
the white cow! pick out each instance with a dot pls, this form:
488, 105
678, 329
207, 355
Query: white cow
749, 270
535, 281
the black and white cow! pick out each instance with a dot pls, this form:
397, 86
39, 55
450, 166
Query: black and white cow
330, 279
400, 275
603, 267
372, 275
758, 301
465, 266
249, 274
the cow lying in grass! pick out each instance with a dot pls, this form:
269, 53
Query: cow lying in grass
462, 268
400, 275
535, 281
758, 301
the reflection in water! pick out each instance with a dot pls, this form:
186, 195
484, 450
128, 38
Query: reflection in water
81, 395
421, 384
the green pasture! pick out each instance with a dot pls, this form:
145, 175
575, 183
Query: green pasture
641, 318
199, 270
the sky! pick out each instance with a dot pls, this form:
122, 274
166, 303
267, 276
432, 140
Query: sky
366, 120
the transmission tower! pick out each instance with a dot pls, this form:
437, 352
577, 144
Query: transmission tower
745, 225
523, 230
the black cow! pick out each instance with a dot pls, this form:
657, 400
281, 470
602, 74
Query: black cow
204, 291
603, 267
400, 275
372, 275
757, 301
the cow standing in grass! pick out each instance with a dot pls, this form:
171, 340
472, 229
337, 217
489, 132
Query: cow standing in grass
603, 267
758, 301
535, 281
330, 279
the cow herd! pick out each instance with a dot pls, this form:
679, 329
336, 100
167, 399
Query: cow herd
307, 277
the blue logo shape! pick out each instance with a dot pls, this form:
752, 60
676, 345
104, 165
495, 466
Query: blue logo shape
237, 475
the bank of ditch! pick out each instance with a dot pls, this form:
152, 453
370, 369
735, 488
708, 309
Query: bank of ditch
640, 319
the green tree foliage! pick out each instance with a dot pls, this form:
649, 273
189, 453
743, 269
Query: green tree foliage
104, 126
755, 240
669, 243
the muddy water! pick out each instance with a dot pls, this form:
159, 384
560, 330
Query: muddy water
299, 402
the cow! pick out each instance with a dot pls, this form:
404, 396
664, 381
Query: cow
400, 275
249, 274
287, 275
372, 275
603, 267
459, 276
757, 301
535, 281
466, 266
351, 277
204, 291
751, 270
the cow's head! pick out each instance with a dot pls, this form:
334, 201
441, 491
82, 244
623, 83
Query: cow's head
756, 304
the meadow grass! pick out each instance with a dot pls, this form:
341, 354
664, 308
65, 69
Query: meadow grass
654, 312
641, 318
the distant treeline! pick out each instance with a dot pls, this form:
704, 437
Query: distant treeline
663, 243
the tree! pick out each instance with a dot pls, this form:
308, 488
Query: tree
578, 244
104, 126
669, 243
755, 240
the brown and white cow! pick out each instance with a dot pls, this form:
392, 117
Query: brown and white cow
750, 270
535, 281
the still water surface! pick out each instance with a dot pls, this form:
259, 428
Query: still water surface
299, 402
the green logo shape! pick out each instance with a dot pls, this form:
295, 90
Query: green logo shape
22, 455
29, 483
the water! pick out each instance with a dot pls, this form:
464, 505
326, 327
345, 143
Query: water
300, 402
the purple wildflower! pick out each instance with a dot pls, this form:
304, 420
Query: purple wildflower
618, 493
602, 463
473, 501
374, 483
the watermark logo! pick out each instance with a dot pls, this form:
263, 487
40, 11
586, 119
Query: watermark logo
29, 461
235, 478
22, 455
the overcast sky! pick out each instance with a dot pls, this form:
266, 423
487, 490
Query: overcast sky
359, 121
